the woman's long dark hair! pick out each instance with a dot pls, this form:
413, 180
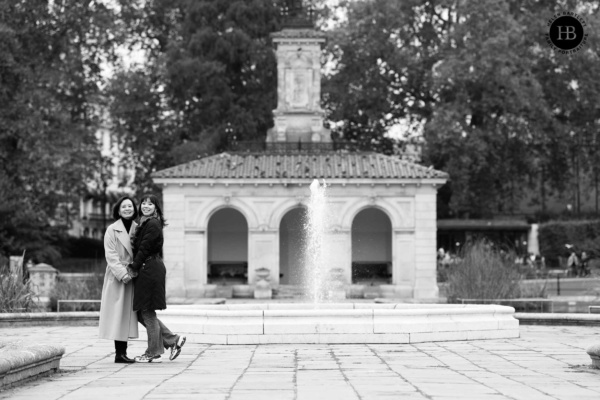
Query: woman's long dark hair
117, 206
154, 200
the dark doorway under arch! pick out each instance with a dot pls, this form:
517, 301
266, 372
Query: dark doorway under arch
227, 248
371, 247
291, 247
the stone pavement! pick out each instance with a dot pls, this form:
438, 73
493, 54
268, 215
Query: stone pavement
547, 362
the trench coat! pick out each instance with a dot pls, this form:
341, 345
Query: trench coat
118, 321
149, 286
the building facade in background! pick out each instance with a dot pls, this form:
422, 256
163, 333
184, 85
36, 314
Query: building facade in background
231, 214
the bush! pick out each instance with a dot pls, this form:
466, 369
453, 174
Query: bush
534, 289
78, 289
81, 254
15, 296
82, 247
15, 293
483, 272
85, 265
553, 236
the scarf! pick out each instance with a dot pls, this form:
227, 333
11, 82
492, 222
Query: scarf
127, 223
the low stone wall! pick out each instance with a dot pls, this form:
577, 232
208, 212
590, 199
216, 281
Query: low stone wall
19, 361
338, 323
79, 318
558, 319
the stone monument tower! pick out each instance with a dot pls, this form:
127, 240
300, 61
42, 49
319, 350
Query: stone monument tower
298, 116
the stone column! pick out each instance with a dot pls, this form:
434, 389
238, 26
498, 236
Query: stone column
403, 262
425, 244
263, 252
195, 263
338, 253
174, 245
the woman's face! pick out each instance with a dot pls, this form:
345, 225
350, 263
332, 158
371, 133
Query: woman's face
126, 209
148, 207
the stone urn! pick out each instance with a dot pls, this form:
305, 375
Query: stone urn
262, 289
262, 274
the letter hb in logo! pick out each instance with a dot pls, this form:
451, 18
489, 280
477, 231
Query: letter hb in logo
566, 32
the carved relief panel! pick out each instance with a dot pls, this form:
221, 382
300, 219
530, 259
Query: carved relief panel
298, 84
299, 75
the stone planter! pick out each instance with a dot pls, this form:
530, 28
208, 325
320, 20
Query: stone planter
242, 291
43, 281
210, 291
372, 292
594, 353
355, 292
387, 291
224, 291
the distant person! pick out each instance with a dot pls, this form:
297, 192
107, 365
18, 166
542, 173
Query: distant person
584, 269
118, 322
573, 262
150, 283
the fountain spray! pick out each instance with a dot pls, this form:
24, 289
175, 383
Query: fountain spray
315, 228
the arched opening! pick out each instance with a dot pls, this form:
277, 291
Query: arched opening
291, 247
227, 248
371, 248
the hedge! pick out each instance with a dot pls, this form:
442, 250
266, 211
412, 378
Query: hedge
82, 247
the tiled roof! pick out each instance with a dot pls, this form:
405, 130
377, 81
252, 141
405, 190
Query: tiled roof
300, 166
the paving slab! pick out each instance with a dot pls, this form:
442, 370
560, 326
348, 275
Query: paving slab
545, 363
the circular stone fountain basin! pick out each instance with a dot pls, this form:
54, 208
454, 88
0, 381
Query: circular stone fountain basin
339, 323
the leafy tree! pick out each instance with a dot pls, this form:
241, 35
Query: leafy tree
142, 122
487, 97
50, 64
501, 112
381, 60
209, 79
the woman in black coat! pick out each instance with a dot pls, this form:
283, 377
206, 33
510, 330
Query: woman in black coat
149, 283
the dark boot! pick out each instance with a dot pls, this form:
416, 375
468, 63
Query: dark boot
121, 353
121, 358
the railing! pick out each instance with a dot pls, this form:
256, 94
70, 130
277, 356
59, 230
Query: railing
299, 147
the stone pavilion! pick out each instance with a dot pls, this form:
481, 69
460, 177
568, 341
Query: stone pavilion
233, 213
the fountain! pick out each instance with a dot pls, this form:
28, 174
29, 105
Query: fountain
322, 281
324, 321
315, 236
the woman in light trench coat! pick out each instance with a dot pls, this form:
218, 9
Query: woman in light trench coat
118, 321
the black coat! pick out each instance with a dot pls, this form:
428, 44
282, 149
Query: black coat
149, 286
